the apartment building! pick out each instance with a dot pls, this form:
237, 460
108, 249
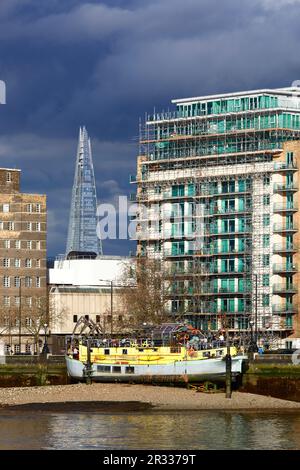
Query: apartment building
23, 285
218, 196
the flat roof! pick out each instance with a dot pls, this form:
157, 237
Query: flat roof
288, 91
9, 169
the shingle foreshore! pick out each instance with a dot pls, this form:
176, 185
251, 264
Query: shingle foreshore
154, 397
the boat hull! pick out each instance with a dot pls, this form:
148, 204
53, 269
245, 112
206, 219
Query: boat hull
213, 369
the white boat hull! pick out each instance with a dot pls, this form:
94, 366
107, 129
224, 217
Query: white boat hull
212, 369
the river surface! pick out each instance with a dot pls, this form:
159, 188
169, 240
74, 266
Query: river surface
150, 430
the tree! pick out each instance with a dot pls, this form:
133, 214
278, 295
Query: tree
33, 313
146, 292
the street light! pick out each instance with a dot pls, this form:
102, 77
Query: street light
45, 347
111, 303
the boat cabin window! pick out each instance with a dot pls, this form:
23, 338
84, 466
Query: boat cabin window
129, 370
116, 369
124, 351
206, 354
107, 352
103, 368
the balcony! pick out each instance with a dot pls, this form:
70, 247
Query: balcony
282, 188
284, 289
282, 166
290, 248
284, 268
285, 228
132, 178
284, 207
216, 231
222, 291
227, 211
284, 309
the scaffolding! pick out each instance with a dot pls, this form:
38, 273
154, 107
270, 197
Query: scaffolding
205, 152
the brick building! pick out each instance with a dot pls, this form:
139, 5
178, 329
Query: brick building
23, 283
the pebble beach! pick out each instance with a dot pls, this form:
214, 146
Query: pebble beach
133, 397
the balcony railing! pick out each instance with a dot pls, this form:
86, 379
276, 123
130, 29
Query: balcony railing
216, 231
284, 289
285, 227
279, 248
132, 178
282, 166
227, 211
284, 207
288, 268
279, 187
282, 309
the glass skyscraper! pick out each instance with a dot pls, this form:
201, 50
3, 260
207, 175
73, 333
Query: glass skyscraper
82, 233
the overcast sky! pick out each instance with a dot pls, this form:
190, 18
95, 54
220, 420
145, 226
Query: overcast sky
102, 64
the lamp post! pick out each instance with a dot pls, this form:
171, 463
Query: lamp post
251, 348
20, 312
45, 347
228, 363
111, 303
255, 316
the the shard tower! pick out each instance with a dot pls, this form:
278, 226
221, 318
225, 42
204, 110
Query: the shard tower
82, 233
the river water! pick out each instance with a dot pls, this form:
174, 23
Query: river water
150, 430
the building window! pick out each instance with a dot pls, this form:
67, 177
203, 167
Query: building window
28, 281
38, 245
75, 318
28, 263
16, 348
17, 301
266, 200
28, 207
87, 317
38, 263
1, 225
6, 301
265, 300
266, 241
29, 301
6, 281
8, 177
266, 260
28, 347
266, 220
38, 208
38, 226
38, 281
17, 244
5, 207
29, 245
97, 318
10, 226
17, 281
7, 244
266, 180
28, 226
266, 280
28, 321
17, 263
6, 262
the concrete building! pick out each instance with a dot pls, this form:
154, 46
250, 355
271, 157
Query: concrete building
218, 194
23, 286
86, 287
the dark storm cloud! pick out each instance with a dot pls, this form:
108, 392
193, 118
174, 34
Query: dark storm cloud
104, 63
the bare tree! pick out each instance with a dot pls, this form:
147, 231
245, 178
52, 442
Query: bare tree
146, 293
28, 319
